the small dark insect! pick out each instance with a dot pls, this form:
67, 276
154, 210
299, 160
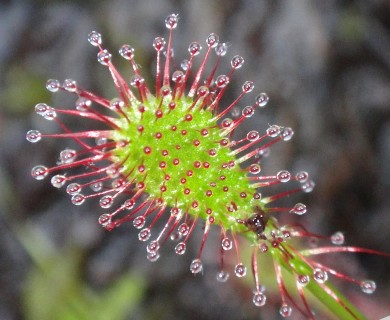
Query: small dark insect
256, 222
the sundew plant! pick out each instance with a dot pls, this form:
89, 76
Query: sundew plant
169, 153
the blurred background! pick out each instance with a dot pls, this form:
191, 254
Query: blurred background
326, 67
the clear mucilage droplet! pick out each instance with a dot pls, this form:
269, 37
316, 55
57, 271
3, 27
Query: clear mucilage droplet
95, 38
70, 85
78, 199
194, 48
67, 156
308, 186
248, 86
144, 234
180, 248
237, 62
159, 43
153, 246
240, 270
139, 222
286, 133
127, 52
253, 135
33, 136
171, 21
222, 276
273, 131
283, 176
196, 266
221, 49
319, 275
259, 299
53, 85
226, 244
104, 219
104, 57
97, 186
73, 188
106, 201
58, 181
39, 172
337, 238
368, 286
299, 209
262, 99
82, 104
222, 81
303, 280
285, 311
212, 40
153, 256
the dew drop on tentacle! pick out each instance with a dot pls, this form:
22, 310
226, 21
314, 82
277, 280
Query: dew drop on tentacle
153, 256
97, 186
247, 87
283, 176
144, 234
95, 38
129, 204
158, 43
194, 48
139, 222
222, 81
73, 188
104, 57
285, 311
222, 276
78, 199
368, 286
171, 21
70, 85
248, 111
180, 248
33, 136
254, 168
303, 280
221, 49
262, 99
126, 52
259, 299
226, 244
153, 246
273, 131
39, 172
67, 156
299, 209
58, 181
183, 229
50, 114
53, 85
237, 62
240, 270
320, 275
286, 133
337, 238
106, 201
308, 186
82, 104
104, 220
196, 266
212, 40
253, 135
302, 176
